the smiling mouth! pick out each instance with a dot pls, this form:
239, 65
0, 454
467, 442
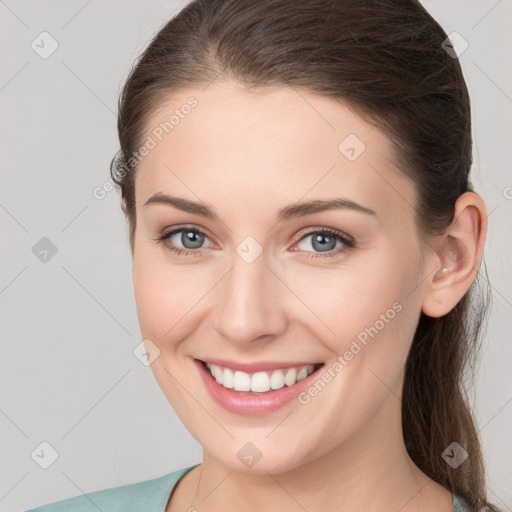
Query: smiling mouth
259, 383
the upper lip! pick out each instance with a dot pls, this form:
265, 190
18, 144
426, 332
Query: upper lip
258, 366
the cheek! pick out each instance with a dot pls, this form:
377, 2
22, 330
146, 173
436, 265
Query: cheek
367, 313
368, 321
170, 298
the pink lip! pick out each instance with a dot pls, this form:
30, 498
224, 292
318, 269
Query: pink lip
244, 403
262, 366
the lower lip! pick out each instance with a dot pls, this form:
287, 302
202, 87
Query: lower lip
254, 405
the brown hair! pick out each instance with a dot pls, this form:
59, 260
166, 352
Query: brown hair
385, 59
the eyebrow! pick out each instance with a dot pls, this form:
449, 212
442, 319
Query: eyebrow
288, 212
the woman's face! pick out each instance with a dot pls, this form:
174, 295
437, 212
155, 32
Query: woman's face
259, 280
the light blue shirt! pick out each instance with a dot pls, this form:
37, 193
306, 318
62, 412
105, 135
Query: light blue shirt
147, 496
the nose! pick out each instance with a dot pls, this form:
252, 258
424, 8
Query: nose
250, 303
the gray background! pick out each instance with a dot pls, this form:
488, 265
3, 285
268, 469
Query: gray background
69, 325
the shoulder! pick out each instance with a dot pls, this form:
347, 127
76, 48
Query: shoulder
148, 495
461, 505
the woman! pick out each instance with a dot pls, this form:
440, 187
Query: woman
306, 245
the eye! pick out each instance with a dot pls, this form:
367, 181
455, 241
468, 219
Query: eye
325, 240
191, 239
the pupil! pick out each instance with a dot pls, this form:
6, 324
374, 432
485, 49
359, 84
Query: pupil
324, 245
193, 237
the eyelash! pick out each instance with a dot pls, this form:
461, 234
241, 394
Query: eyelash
347, 242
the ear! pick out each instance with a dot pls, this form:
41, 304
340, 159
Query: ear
124, 209
456, 257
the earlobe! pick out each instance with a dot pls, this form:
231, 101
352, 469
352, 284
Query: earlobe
457, 259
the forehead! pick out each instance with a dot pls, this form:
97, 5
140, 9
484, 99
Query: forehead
283, 142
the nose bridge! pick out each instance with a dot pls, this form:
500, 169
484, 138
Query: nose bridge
248, 302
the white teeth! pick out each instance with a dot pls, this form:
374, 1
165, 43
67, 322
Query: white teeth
259, 382
303, 373
227, 378
217, 373
277, 380
291, 377
241, 381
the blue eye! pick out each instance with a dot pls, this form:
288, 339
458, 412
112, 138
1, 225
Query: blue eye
324, 240
191, 238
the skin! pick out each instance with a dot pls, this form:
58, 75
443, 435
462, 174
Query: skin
248, 155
